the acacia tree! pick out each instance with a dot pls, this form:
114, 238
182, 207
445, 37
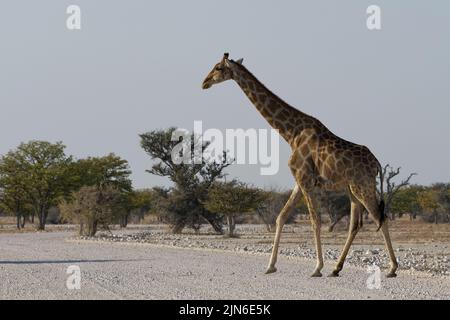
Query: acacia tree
435, 200
429, 201
100, 179
145, 201
192, 177
140, 201
91, 207
39, 171
406, 201
443, 196
14, 201
231, 198
12, 197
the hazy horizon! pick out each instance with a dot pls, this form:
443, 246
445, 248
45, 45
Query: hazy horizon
136, 66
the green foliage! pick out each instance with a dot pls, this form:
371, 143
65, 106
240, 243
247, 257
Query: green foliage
138, 201
428, 200
406, 200
233, 197
37, 173
110, 170
14, 202
435, 201
144, 199
106, 174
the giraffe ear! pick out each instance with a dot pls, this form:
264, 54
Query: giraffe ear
239, 61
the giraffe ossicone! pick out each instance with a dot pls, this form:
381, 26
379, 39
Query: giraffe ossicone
320, 160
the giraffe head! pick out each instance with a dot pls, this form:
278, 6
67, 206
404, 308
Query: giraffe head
222, 71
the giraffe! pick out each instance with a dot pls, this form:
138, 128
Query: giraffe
319, 161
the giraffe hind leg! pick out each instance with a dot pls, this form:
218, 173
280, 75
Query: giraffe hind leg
369, 200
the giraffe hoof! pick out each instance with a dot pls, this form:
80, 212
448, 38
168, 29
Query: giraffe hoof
334, 274
391, 275
316, 274
271, 270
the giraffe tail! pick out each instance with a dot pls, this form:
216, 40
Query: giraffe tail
381, 205
381, 211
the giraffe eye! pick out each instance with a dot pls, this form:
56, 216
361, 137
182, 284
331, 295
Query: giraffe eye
219, 69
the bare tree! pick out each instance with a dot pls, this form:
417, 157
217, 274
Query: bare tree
388, 173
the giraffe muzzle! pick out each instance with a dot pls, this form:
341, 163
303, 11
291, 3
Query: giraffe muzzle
206, 85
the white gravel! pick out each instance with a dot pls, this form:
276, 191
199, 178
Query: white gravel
33, 266
428, 258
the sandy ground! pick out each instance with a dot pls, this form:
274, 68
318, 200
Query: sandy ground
34, 265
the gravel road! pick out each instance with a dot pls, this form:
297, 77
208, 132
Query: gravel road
34, 265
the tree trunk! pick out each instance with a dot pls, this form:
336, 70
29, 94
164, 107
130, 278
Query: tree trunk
91, 228
217, 226
435, 216
23, 221
42, 215
124, 220
177, 227
231, 225
81, 228
18, 220
41, 225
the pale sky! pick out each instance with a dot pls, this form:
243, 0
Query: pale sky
136, 66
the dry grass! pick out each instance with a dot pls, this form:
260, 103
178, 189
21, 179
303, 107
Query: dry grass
8, 225
402, 231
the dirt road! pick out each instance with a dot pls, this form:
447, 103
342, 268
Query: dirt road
34, 266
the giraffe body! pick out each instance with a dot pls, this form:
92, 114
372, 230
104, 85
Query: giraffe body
320, 160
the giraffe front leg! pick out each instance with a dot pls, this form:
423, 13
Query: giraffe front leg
319, 265
316, 224
282, 217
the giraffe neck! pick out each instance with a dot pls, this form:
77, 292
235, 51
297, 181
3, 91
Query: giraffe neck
281, 116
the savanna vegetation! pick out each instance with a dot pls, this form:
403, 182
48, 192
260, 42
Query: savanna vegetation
96, 192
